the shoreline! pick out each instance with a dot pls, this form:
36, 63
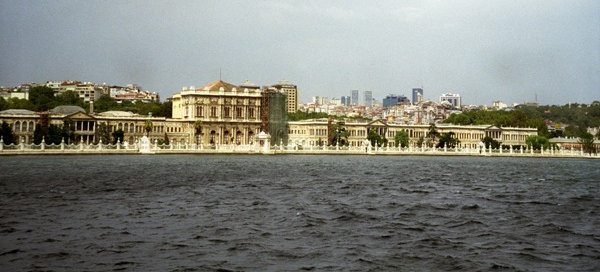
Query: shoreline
577, 155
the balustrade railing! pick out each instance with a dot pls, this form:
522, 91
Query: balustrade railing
289, 149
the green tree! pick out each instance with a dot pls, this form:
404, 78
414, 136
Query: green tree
70, 98
448, 140
118, 136
39, 133
338, 132
401, 139
16, 103
42, 97
165, 109
459, 119
197, 129
575, 131
421, 141
300, 115
3, 104
8, 137
68, 131
102, 133
165, 141
106, 103
432, 135
375, 138
54, 135
537, 142
489, 141
587, 143
148, 127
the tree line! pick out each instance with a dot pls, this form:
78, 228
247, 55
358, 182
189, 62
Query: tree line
42, 98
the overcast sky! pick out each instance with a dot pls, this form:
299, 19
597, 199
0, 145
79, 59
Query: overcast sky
484, 50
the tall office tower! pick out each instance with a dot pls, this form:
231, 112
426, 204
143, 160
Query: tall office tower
391, 100
343, 100
292, 94
415, 94
368, 98
354, 97
347, 100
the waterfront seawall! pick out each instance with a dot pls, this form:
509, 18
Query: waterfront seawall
120, 149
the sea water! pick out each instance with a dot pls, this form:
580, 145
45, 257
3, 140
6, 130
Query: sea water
322, 213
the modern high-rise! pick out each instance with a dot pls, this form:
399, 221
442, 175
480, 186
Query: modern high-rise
415, 94
368, 98
392, 100
354, 97
454, 99
292, 94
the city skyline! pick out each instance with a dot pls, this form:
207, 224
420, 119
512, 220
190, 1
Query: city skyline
499, 50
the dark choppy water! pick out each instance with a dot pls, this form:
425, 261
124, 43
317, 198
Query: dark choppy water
161, 213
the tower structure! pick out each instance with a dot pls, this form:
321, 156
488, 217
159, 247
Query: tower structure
416, 92
354, 98
292, 94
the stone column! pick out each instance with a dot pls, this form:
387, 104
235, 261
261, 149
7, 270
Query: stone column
62, 144
100, 144
43, 145
1, 143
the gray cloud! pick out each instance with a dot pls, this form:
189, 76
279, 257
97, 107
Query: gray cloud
484, 50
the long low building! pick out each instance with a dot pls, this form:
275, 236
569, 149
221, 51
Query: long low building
182, 130
317, 131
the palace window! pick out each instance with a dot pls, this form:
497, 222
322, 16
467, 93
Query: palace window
238, 112
251, 112
227, 112
199, 111
213, 111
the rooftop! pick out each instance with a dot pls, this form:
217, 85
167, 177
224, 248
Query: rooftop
66, 110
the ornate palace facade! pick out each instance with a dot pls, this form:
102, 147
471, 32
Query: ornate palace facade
228, 113
313, 132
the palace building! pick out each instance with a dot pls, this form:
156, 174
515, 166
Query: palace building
228, 113
218, 113
313, 132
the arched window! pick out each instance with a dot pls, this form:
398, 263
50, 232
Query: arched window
31, 125
126, 128
17, 126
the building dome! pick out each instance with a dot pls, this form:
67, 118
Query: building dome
66, 110
117, 114
17, 112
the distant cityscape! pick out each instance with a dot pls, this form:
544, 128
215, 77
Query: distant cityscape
398, 107
87, 91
